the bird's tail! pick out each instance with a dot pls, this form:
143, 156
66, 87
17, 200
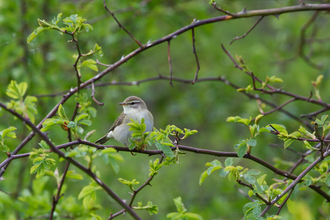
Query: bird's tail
102, 140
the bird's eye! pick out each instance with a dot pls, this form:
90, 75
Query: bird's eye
132, 103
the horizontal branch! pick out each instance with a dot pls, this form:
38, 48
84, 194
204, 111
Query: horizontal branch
202, 151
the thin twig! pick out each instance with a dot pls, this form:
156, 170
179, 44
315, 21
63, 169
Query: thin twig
214, 4
59, 188
121, 26
93, 92
194, 51
251, 187
283, 203
244, 35
102, 64
169, 61
75, 65
279, 107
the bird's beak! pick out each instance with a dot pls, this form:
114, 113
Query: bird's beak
122, 103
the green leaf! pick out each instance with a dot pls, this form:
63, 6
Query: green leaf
86, 122
81, 117
90, 64
252, 142
8, 132
238, 119
242, 151
61, 112
129, 183
57, 19
223, 173
168, 151
87, 190
249, 178
16, 91
258, 118
253, 172
229, 161
203, 177
44, 145
72, 175
279, 128
35, 33
193, 216
179, 205
151, 208
287, 143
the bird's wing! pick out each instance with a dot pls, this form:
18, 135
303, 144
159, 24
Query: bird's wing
118, 121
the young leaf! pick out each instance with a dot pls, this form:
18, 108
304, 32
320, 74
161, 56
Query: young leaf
229, 161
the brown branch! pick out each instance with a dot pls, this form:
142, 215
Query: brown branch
93, 92
75, 65
135, 192
272, 89
121, 26
194, 51
283, 203
244, 35
169, 61
58, 194
279, 107
302, 43
200, 151
214, 4
295, 182
251, 187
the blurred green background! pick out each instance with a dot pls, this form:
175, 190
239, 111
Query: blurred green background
46, 65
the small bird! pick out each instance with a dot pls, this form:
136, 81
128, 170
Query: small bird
134, 108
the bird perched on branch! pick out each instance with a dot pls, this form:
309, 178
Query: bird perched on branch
134, 108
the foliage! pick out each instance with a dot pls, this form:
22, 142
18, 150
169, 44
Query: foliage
280, 156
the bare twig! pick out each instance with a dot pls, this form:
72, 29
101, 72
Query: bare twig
93, 92
279, 107
194, 51
251, 187
169, 60
121, 26
283, 203
58, 194
75, 65
220, 9
244, 35
302, 43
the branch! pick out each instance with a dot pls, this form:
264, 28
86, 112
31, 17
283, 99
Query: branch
194, 51
169, 60
251, 187
93, 92
274, 90
121, 26
244, 35
202, 151
295, 182
135, 192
